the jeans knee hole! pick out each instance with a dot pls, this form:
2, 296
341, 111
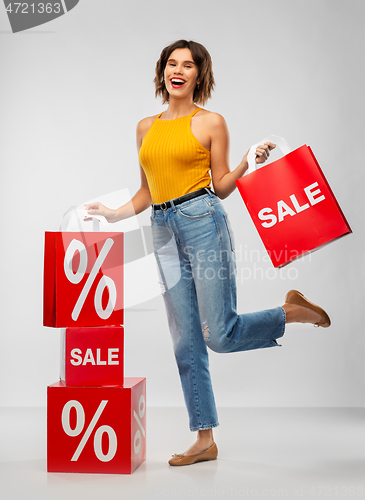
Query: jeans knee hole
206, 331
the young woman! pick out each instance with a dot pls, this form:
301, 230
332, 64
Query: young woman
181, 151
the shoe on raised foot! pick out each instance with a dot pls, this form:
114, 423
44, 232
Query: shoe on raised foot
297, 298
210, 454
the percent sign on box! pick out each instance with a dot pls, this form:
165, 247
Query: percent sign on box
83, 279
98, 436
137, 441
80, 422
96, 429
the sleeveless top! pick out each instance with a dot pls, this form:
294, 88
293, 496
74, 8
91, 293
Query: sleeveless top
174, 161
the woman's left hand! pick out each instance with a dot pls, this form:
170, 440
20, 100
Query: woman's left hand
263, 152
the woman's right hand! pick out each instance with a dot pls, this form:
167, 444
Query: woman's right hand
98, 208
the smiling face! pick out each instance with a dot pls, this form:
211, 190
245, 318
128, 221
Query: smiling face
181, 74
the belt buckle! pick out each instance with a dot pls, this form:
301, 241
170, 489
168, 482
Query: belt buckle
163, 203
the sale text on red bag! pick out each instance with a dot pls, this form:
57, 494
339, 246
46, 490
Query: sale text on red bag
284, 209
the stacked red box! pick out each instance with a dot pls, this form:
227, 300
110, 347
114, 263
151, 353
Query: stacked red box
92, 356
96, 417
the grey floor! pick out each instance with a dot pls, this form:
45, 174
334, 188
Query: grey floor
290, 453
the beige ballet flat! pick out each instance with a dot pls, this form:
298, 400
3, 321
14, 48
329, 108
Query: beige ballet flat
209, 454
295, 297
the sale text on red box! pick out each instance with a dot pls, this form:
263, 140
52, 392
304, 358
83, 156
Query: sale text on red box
92, 356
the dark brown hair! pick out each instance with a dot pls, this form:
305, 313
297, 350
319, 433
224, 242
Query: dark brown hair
203, 61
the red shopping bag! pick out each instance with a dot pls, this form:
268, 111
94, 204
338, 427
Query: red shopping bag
292, 205
83, 279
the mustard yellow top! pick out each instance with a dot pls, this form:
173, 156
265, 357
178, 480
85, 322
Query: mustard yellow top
174, 161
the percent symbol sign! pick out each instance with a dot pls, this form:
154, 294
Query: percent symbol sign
80, 422
104, 282
137, 436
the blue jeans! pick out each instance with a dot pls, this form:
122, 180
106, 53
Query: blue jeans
194, 249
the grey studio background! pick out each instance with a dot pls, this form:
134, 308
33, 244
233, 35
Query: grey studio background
71, 94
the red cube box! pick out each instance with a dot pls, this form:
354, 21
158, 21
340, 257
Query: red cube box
92, 356
83, 279
96, 429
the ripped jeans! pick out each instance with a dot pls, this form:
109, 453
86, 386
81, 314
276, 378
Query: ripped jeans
194, 249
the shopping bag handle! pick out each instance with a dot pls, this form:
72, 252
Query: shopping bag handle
79, 213
251, 157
